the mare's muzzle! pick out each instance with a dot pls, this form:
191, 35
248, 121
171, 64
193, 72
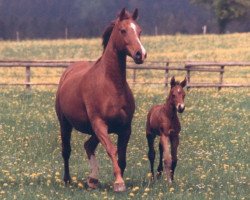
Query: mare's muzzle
139, 57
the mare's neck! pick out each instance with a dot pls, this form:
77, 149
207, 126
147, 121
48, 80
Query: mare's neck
170, 108
114, 63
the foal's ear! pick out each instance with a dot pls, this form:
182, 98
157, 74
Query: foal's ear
172, 82
184, 82
135, 14
122, 14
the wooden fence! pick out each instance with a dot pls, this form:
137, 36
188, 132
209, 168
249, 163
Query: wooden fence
188, 67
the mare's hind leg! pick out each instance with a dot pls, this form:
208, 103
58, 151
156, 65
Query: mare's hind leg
66, 130
151, 151
90, 147
160, 166
174, 147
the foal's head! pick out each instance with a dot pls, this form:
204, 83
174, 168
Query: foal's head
177, 94
125, 35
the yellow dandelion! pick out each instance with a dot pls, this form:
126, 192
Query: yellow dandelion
57, 174
80, 185
147, 189
226, 167
171, 189
135, 189
203, 176
149, 175
5, 184
131, 194
48, 182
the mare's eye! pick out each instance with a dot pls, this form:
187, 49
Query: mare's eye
123, 31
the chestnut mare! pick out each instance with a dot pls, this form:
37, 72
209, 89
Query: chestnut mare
162, 120
95, 99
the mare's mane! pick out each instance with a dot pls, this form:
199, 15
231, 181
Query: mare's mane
106, 34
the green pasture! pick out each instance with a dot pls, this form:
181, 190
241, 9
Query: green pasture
213, 153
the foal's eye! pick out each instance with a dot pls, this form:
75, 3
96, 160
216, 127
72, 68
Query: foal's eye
123, 31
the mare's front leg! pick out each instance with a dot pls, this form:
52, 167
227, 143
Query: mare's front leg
167, 159
90, 147
122, 143
101, 130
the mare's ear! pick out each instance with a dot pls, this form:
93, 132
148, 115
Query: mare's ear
172, 82
135, 14
184, 82
122, 14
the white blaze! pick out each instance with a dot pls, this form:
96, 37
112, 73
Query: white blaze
133, 26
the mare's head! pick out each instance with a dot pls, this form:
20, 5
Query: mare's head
124, 36
177, 94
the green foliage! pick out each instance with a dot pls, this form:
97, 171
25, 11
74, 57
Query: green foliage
226, 10
213, 152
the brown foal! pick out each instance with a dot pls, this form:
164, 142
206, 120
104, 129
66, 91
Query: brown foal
162, 120
95, 99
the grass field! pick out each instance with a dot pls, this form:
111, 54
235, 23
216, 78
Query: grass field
213, 154
214, 149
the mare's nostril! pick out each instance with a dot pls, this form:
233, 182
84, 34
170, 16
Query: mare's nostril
138, 55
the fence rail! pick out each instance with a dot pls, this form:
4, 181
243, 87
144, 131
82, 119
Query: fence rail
188, 67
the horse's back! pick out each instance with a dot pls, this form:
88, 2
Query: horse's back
74, 70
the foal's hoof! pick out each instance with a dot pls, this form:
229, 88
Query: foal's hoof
119, 187
158, 175
92, 182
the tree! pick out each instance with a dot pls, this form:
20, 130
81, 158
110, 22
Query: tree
226, 10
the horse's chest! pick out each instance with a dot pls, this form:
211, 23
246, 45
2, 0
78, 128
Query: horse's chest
118, 112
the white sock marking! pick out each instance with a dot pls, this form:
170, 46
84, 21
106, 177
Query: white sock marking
94, 167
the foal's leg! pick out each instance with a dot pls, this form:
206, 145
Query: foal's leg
101, 131
122, 144
66, 130
166, 156
90, 147
160, 166
151, 151
174, 147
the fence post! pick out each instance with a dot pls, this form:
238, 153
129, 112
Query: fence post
221, 77
27, 77
188, 76
166, 77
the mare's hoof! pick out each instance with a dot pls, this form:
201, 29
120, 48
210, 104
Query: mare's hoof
119, 187
92, 182
67, 181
